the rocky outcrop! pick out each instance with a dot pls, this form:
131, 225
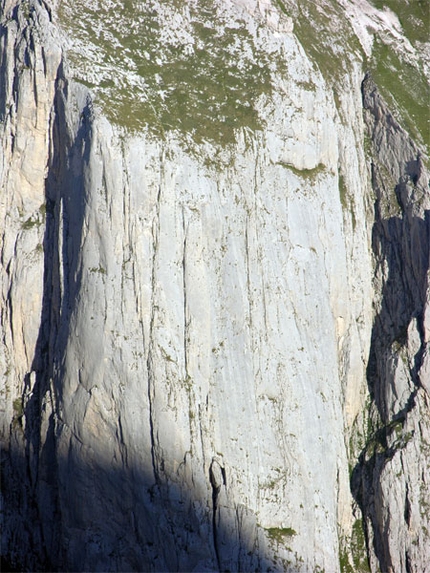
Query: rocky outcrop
393, 474
30, 60
187, 305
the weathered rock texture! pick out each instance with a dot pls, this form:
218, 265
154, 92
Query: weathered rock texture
215, 348
393, 473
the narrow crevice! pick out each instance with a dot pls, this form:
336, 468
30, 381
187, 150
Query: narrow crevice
149, 364
184, 294
151, 420
216, 488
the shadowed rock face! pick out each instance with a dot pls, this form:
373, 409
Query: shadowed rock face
393, 471
193, 327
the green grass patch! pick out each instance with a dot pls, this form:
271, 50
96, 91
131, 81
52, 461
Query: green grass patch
405, 89
205, 83
346, 201
280, 534
18, 413
356, 560
414, 16
17, 407
204, 79
327, 38
305, 173
282, 7
343, 192
101, 270
28, 224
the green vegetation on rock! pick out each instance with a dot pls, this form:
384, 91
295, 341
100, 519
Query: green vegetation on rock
330, 42
358, 552
400, 78
405, 88
327, 38
346, 201
18, 413
192, 69
413, 16
305, 173
201, 76
280, 534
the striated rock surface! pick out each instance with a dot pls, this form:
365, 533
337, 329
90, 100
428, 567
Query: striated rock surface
394, 469
214, 289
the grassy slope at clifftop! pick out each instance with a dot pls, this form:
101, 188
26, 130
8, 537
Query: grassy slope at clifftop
201, 78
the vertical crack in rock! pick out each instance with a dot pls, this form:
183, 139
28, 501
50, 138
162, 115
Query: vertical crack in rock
150, 365
218, 480
192, 406
184, 295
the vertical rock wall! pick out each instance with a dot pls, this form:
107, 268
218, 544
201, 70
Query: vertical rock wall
393, 474
29, 62
186, 328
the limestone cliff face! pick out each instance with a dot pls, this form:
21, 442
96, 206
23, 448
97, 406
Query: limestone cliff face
393, 474
214, 295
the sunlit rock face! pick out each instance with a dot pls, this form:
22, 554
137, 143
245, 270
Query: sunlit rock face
214, 294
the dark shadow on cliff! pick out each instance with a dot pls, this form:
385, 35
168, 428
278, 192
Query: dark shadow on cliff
401, 249
401, 245
118, 519
71, 514
35, 474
